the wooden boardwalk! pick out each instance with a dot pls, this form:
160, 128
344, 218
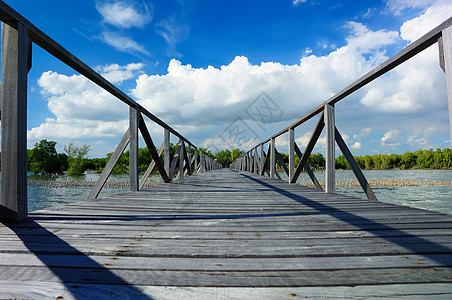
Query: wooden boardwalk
227, 234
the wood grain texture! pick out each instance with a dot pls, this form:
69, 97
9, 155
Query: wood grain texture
234, 233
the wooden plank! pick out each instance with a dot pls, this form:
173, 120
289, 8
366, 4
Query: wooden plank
226, 228
110, 166
14, 70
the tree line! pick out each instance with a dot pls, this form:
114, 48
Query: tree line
420, 159
43, 159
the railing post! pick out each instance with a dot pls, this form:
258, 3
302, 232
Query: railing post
272, 158
330, 149
14, 69
166, 152
256, 159
446, 52
189, 169
195, 168
181, 161
291, 153
133, 148
261, 162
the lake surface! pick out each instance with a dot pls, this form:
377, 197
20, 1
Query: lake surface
430, 197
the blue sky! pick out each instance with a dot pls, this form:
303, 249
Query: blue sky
204, 66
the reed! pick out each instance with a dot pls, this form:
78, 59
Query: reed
383, 183
82, 184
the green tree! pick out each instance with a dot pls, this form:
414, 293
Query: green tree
43, 158
75, 158
341, 163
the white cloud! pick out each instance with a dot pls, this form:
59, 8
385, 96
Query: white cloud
413, 86
367, 41
117, 74
123, 43
365, 132
228, 90
396, 7
173, 33
216, 144
413, 29
82, 110
297, 2
124, 14
391, 138
356, 146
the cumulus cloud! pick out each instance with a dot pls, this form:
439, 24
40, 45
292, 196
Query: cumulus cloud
199, 97
391, 138
356, 146
365, 132
82, 110
413, 86
117, 74
229, 89
124, 14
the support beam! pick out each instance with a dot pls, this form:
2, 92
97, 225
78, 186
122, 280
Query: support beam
446, 50
14, 69
167, 154
308, 170
110, 166
189, 163
291, 153
355, 168
281, 162
150, 169
175, 159
133, 149
330, 182
152, 150
195, 169
181, 160
304, 159
261, 162
256, 160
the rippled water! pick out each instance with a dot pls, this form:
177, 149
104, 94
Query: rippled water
42, 197
432, 197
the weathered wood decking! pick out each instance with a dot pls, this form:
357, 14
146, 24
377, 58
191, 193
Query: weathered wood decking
227, 234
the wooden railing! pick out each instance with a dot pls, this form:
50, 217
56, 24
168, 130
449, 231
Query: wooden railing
261, 162
17, 37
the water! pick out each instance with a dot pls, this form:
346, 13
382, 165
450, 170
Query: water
436, 198
431, 197
43, 197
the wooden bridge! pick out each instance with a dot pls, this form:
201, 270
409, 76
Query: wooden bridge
209, 232
227, 234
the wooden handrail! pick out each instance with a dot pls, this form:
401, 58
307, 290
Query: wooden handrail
333, 136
